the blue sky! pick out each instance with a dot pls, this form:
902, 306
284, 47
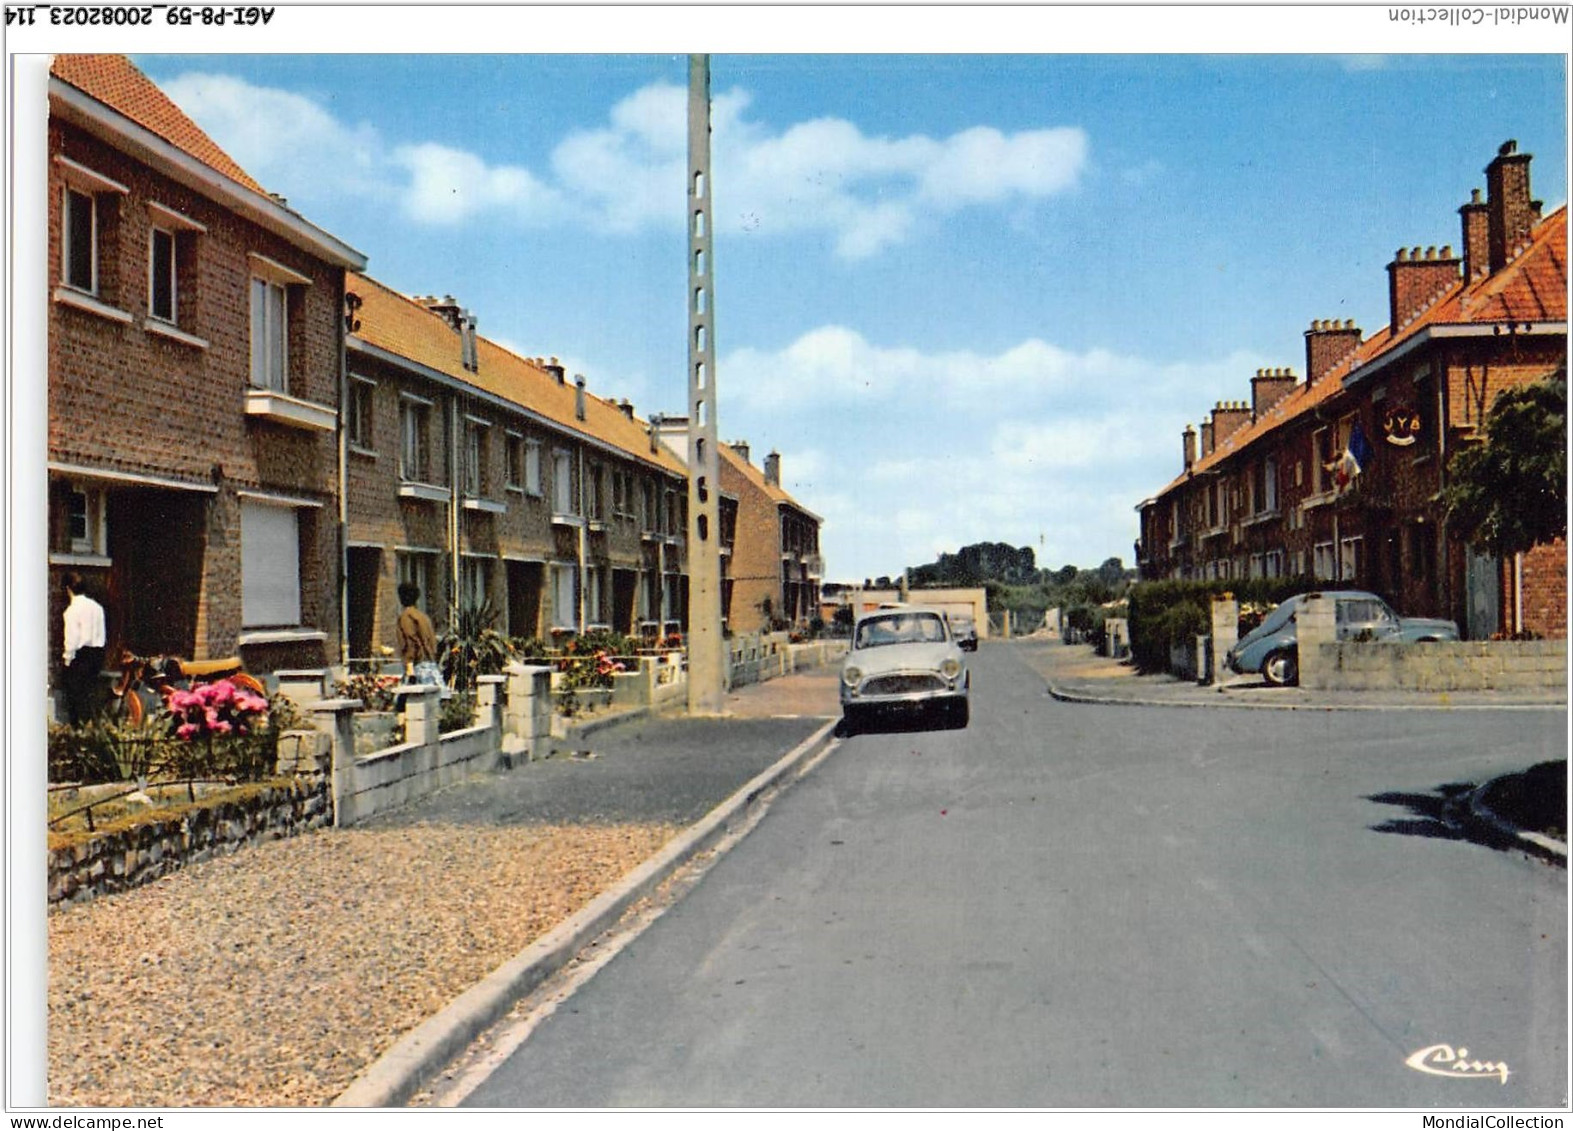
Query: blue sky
967, 297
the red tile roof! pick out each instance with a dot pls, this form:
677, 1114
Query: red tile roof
404, 327
1531, 288
112, 80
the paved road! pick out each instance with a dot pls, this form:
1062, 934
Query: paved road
1067, 905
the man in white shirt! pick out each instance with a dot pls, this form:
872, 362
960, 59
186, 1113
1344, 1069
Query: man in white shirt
84, 650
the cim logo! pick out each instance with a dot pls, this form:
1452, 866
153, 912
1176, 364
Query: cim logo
1445, 1060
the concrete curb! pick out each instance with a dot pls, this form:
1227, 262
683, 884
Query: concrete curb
425, 1050
1068, 696
577, 732
1535, 844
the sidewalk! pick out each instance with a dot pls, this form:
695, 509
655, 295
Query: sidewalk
348, 962
1076, 674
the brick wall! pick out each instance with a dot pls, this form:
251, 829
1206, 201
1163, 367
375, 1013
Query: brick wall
129, 400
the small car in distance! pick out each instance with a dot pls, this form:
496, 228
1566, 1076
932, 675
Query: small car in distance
1271, 649
964, 631
904, 660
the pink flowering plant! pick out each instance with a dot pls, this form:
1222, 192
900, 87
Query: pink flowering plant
212, 710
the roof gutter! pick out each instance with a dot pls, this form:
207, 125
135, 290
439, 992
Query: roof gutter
1448, 332
447, 381
92, 115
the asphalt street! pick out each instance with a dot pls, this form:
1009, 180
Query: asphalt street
1068, 905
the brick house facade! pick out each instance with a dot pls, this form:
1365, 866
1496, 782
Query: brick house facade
488, 479
772, 571
194, 333
1268, 491
219, 367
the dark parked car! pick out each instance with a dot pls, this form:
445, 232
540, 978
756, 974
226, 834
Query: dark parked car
1272, 648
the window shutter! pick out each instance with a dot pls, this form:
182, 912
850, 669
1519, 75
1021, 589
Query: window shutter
269, 565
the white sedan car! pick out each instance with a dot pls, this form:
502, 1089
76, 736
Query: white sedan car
904, 659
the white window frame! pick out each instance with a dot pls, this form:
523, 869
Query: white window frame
269, 334
475, 581
562, 482
414, 413
414, 567
475, 432
270, 564
358, 414
1351, 553
532, 467
69, 237
1324, 562
565, 596
513, 458
94, 540
171, 264
594, 597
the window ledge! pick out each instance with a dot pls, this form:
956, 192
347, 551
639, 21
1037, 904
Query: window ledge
280, 636
514, 489
281, 408
597, 526
96, 561
1311, 502
173, 333
1264, 516
357, 450
427, 492
560, 518
81, 300
488, 506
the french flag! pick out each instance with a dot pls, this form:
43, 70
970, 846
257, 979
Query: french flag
1357, 456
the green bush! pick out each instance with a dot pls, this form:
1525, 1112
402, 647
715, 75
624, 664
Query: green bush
1166, 613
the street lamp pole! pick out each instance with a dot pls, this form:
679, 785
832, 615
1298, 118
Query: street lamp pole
706, 648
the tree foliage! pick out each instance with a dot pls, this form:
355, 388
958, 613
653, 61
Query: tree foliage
1510, 493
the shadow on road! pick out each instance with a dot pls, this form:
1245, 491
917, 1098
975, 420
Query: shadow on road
1443, 814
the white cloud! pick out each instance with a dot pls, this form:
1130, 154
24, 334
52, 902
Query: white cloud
863, 193
928, 452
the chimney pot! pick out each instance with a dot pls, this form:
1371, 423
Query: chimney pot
773, 469
578, 400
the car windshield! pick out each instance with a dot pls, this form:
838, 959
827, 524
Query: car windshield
901, 628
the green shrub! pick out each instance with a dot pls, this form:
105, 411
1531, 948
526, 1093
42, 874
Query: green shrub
1166, 613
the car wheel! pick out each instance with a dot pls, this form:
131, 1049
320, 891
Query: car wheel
1282, 667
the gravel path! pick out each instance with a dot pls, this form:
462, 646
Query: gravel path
274, 976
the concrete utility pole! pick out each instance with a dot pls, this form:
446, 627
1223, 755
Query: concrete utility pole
706, 648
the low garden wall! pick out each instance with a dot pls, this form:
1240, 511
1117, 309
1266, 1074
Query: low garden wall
1468, 665
90, 864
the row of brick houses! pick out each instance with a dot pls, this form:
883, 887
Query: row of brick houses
1268, 488
252, 442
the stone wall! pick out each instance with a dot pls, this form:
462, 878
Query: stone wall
128, 858
1472, 665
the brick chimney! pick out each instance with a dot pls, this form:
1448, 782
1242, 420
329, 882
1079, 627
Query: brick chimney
1416, 281
1327, 343
1268, 387
1477, 236
1188, 442
628, 408
578, 397
446, 308
773, 469
654, 430
1512, 213
741, 448
1207, 438
555, 368
1228, 418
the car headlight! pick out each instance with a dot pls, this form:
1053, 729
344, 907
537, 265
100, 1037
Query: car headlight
851, 676
951, 668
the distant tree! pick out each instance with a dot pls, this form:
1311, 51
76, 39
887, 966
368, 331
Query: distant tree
1112, 572
1066, 574
1510, 493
